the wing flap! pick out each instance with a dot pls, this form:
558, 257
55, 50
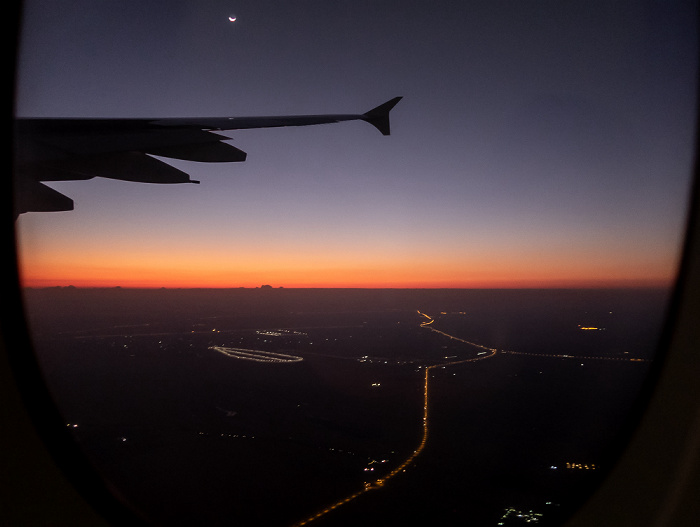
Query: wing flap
215, 152
125, 166
32, 196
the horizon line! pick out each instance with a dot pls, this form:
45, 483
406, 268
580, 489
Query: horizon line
358, 288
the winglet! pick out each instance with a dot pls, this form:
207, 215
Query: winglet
379, 116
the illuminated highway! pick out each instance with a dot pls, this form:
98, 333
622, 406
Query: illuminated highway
577, 357
378, 483
427, 325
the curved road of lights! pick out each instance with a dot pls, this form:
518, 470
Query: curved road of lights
256, 355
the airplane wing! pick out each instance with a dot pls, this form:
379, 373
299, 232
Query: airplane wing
75, 149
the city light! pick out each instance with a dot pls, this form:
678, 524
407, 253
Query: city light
590, 328
527, 517
581, 466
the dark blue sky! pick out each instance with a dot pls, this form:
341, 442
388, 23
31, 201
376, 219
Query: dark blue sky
538, 142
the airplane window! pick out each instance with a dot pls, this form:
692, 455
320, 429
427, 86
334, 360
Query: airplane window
424, 274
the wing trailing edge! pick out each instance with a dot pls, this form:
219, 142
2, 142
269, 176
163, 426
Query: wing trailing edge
214, 152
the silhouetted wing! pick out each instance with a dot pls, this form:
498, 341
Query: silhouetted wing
74, 149
377, 117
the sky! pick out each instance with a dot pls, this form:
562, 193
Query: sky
538, 143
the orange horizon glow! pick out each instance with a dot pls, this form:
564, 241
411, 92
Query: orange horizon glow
307, 265
374, 275
509, 285
214, 282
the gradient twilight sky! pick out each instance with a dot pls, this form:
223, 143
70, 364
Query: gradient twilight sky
539, 143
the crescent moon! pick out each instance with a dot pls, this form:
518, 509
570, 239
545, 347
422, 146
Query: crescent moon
232, 19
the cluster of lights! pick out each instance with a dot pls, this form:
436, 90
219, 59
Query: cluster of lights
580, 466
370, 468
381, 360
527, 517
279, 332
236, 436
